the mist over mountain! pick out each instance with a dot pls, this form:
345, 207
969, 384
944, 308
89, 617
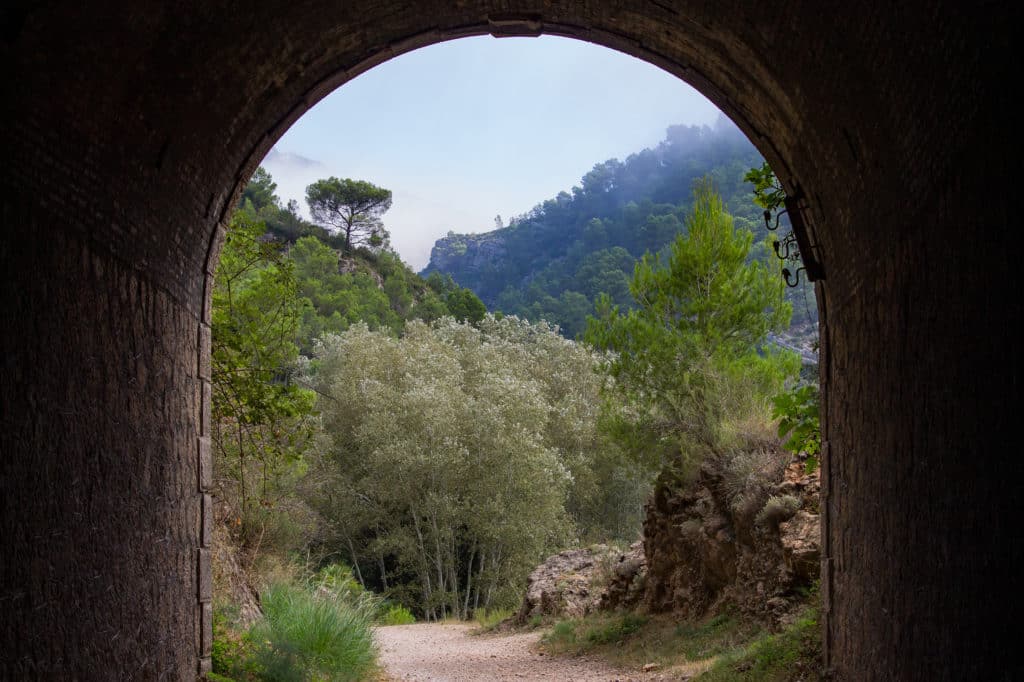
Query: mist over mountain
554, 261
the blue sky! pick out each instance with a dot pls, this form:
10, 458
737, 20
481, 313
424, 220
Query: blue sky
478, 127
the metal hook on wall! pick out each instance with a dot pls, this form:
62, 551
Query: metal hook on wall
768, 223
787, 274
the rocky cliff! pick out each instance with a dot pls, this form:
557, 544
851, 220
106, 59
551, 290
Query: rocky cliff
467, 256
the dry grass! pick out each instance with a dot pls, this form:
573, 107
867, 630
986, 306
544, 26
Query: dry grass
748, 475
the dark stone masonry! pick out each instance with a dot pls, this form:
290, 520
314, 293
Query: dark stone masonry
128, 129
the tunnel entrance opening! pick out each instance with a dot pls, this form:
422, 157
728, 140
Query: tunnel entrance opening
602, 187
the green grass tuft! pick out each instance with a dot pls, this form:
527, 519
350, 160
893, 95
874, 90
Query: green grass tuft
490, 619
312, 635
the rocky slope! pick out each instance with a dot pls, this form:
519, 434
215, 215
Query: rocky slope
745, 533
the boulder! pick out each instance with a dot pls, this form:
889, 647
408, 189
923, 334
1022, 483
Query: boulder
576, 582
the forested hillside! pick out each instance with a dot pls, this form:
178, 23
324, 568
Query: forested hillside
553, 262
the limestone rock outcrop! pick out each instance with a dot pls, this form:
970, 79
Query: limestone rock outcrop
576, 582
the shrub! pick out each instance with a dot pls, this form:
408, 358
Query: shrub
313, 635
395, 614
691, 529
799, 424
776, 510
747, 476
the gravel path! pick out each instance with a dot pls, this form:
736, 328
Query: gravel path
449, 653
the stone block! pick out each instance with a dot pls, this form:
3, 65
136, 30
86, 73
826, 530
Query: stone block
205, 463
205, 576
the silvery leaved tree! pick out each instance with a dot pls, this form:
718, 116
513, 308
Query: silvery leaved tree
460, 456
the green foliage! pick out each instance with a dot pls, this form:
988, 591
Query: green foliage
261, 418
376, 289
338, 579
791, 655
799, 422
216, 677
464, 306
489, 432
768, 192
396, 614
616, 630
352, 208
490, 619
693, 355
283, 223
232, 651
563, 634
308, 634
259, 191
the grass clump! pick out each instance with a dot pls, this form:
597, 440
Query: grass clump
616, 630
307, 634
338, 580
562, 636
488, 620
317, 628
777, 509
712, 637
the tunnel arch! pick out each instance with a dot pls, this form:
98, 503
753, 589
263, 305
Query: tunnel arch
129, 133
743, 107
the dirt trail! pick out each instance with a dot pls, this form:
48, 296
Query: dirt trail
449, 653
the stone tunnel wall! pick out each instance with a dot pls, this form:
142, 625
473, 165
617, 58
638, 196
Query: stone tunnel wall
127, 132
100, 532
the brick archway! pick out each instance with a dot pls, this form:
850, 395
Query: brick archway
127, 134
